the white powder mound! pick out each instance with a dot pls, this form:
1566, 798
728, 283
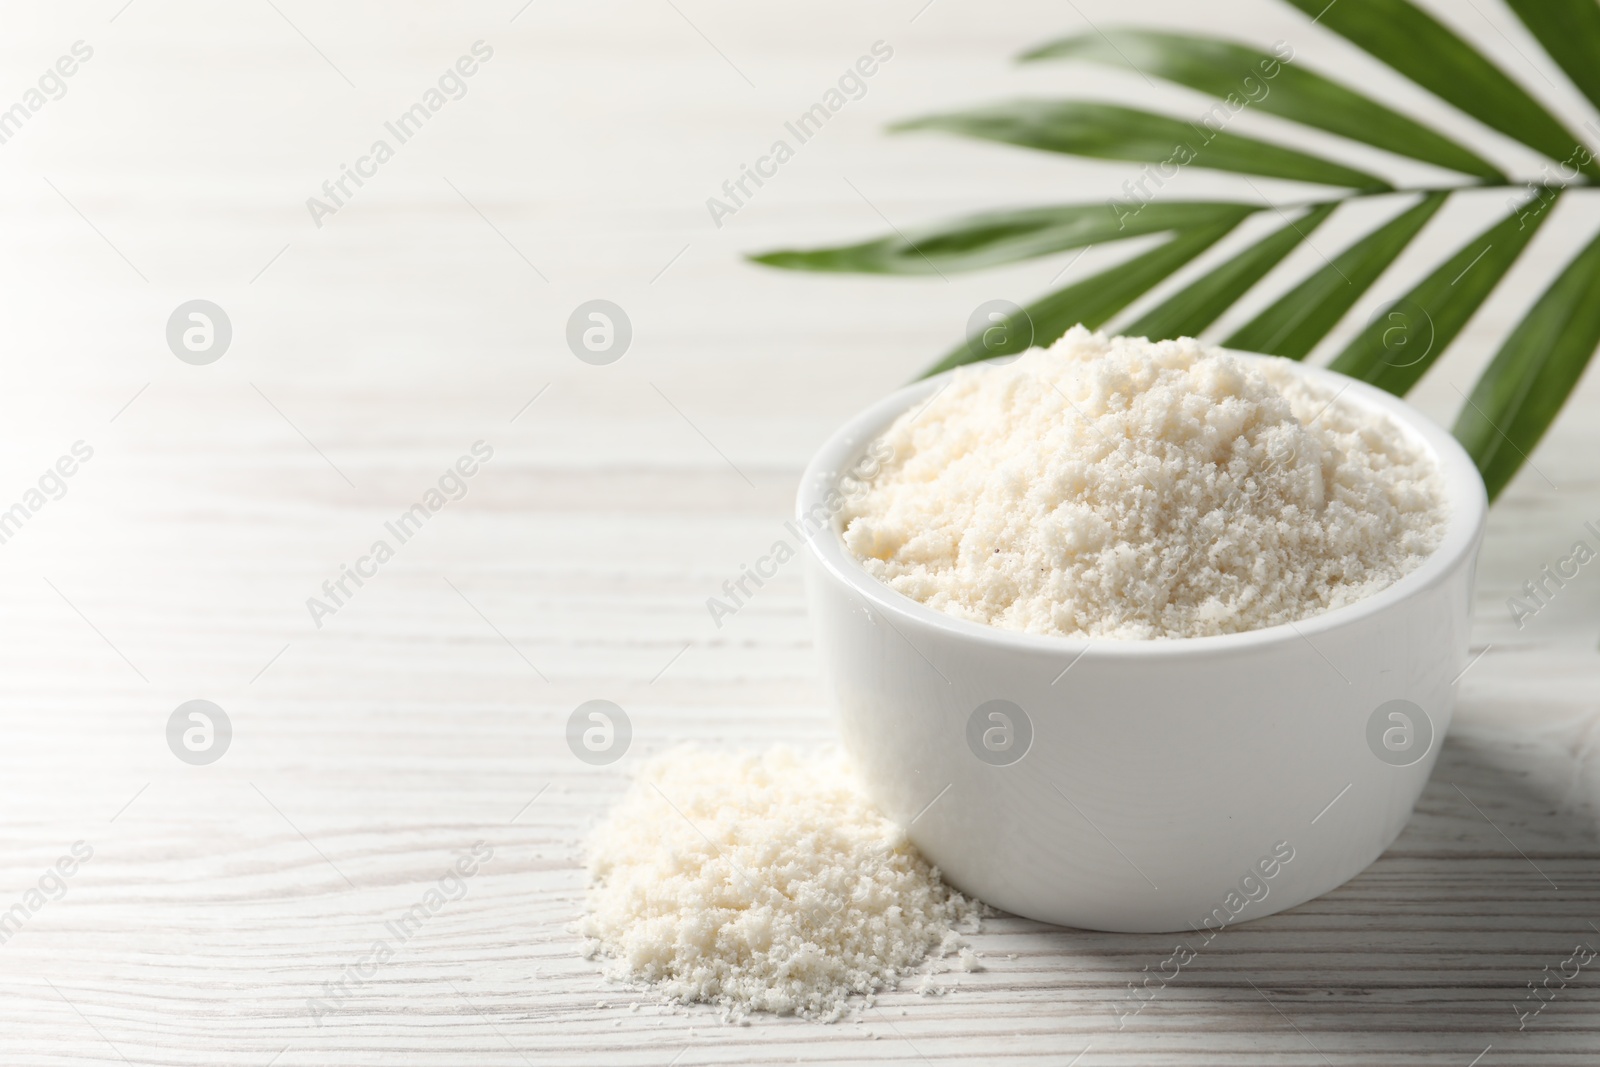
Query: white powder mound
1114, 487
761, 882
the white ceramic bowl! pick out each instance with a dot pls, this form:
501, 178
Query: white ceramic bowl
1167, 785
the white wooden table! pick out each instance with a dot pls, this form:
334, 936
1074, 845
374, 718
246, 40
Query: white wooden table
224, 904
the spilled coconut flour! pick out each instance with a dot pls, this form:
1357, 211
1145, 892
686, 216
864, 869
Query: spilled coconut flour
1114, 487
764, 882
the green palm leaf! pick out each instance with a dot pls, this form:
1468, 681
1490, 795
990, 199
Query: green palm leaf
1396, 350
1526, 383
1570, 32
998, 237
1417, 45
1091, 302
1107, 131
1294, 323
1243, 77
1538, 365
1192, 309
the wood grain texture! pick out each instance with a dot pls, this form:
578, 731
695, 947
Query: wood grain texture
223, 905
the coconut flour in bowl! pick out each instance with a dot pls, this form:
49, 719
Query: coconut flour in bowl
1115, 487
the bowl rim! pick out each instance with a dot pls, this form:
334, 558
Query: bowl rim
1465, 497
